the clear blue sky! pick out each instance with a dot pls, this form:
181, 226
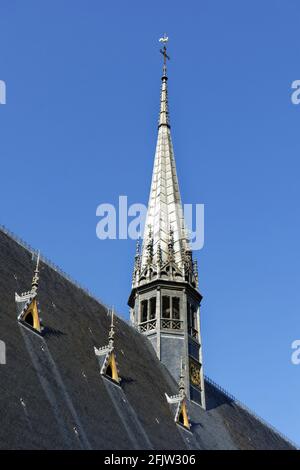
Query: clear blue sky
79, 129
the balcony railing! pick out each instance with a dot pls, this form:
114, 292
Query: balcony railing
165, 324
147, 326
171, 324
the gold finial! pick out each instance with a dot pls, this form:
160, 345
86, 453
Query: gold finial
163, 51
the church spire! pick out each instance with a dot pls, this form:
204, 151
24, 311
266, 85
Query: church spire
165, 299
165, 211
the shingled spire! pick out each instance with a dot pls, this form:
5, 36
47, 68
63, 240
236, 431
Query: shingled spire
165, 299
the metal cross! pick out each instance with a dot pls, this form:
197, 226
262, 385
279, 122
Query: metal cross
163, 51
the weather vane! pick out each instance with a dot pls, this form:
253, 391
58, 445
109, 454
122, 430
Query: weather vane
163, 51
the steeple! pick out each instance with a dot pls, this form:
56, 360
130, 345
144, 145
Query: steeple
165, 299
165, 212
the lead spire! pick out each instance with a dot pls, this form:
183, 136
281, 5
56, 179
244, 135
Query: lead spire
165, 207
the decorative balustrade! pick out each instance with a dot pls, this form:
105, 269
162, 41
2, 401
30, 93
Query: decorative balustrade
147, 326
171, 324
166, 324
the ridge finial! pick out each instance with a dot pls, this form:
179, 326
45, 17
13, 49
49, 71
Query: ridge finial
111, 331
35, 279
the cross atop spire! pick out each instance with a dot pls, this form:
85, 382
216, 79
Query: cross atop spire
163, 51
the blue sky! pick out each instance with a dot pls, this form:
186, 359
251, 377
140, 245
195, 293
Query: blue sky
79, 129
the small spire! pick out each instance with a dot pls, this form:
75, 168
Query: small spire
111, 331
182, 380
159, 255
137, 263
171, 245
150, 246
164, 112
195, 272
35, 279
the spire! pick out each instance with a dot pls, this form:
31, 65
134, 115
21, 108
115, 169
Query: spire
165, 300
35, 279
165, 207
164, 111
111, 332
182, 380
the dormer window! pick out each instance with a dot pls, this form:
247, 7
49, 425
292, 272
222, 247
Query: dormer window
110, 368
27, 305
29, 315
182, 416
107, 357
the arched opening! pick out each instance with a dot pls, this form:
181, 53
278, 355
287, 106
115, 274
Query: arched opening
31, 316
29, 319
183, 419
109, 372
111, 369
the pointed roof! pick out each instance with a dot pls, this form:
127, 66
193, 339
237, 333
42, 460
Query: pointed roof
164, 222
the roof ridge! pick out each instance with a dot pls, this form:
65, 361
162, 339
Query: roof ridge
253, 413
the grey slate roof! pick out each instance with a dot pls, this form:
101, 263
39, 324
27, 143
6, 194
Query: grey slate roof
53, 397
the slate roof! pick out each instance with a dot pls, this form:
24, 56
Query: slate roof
52, 395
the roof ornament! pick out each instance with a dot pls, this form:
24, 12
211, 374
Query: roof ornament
178, 402
27, 305
107, 357
182, 380
137, 263
150, 246
163, 51
111, 332
36, 277
159, 256
195, 272
171, 245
